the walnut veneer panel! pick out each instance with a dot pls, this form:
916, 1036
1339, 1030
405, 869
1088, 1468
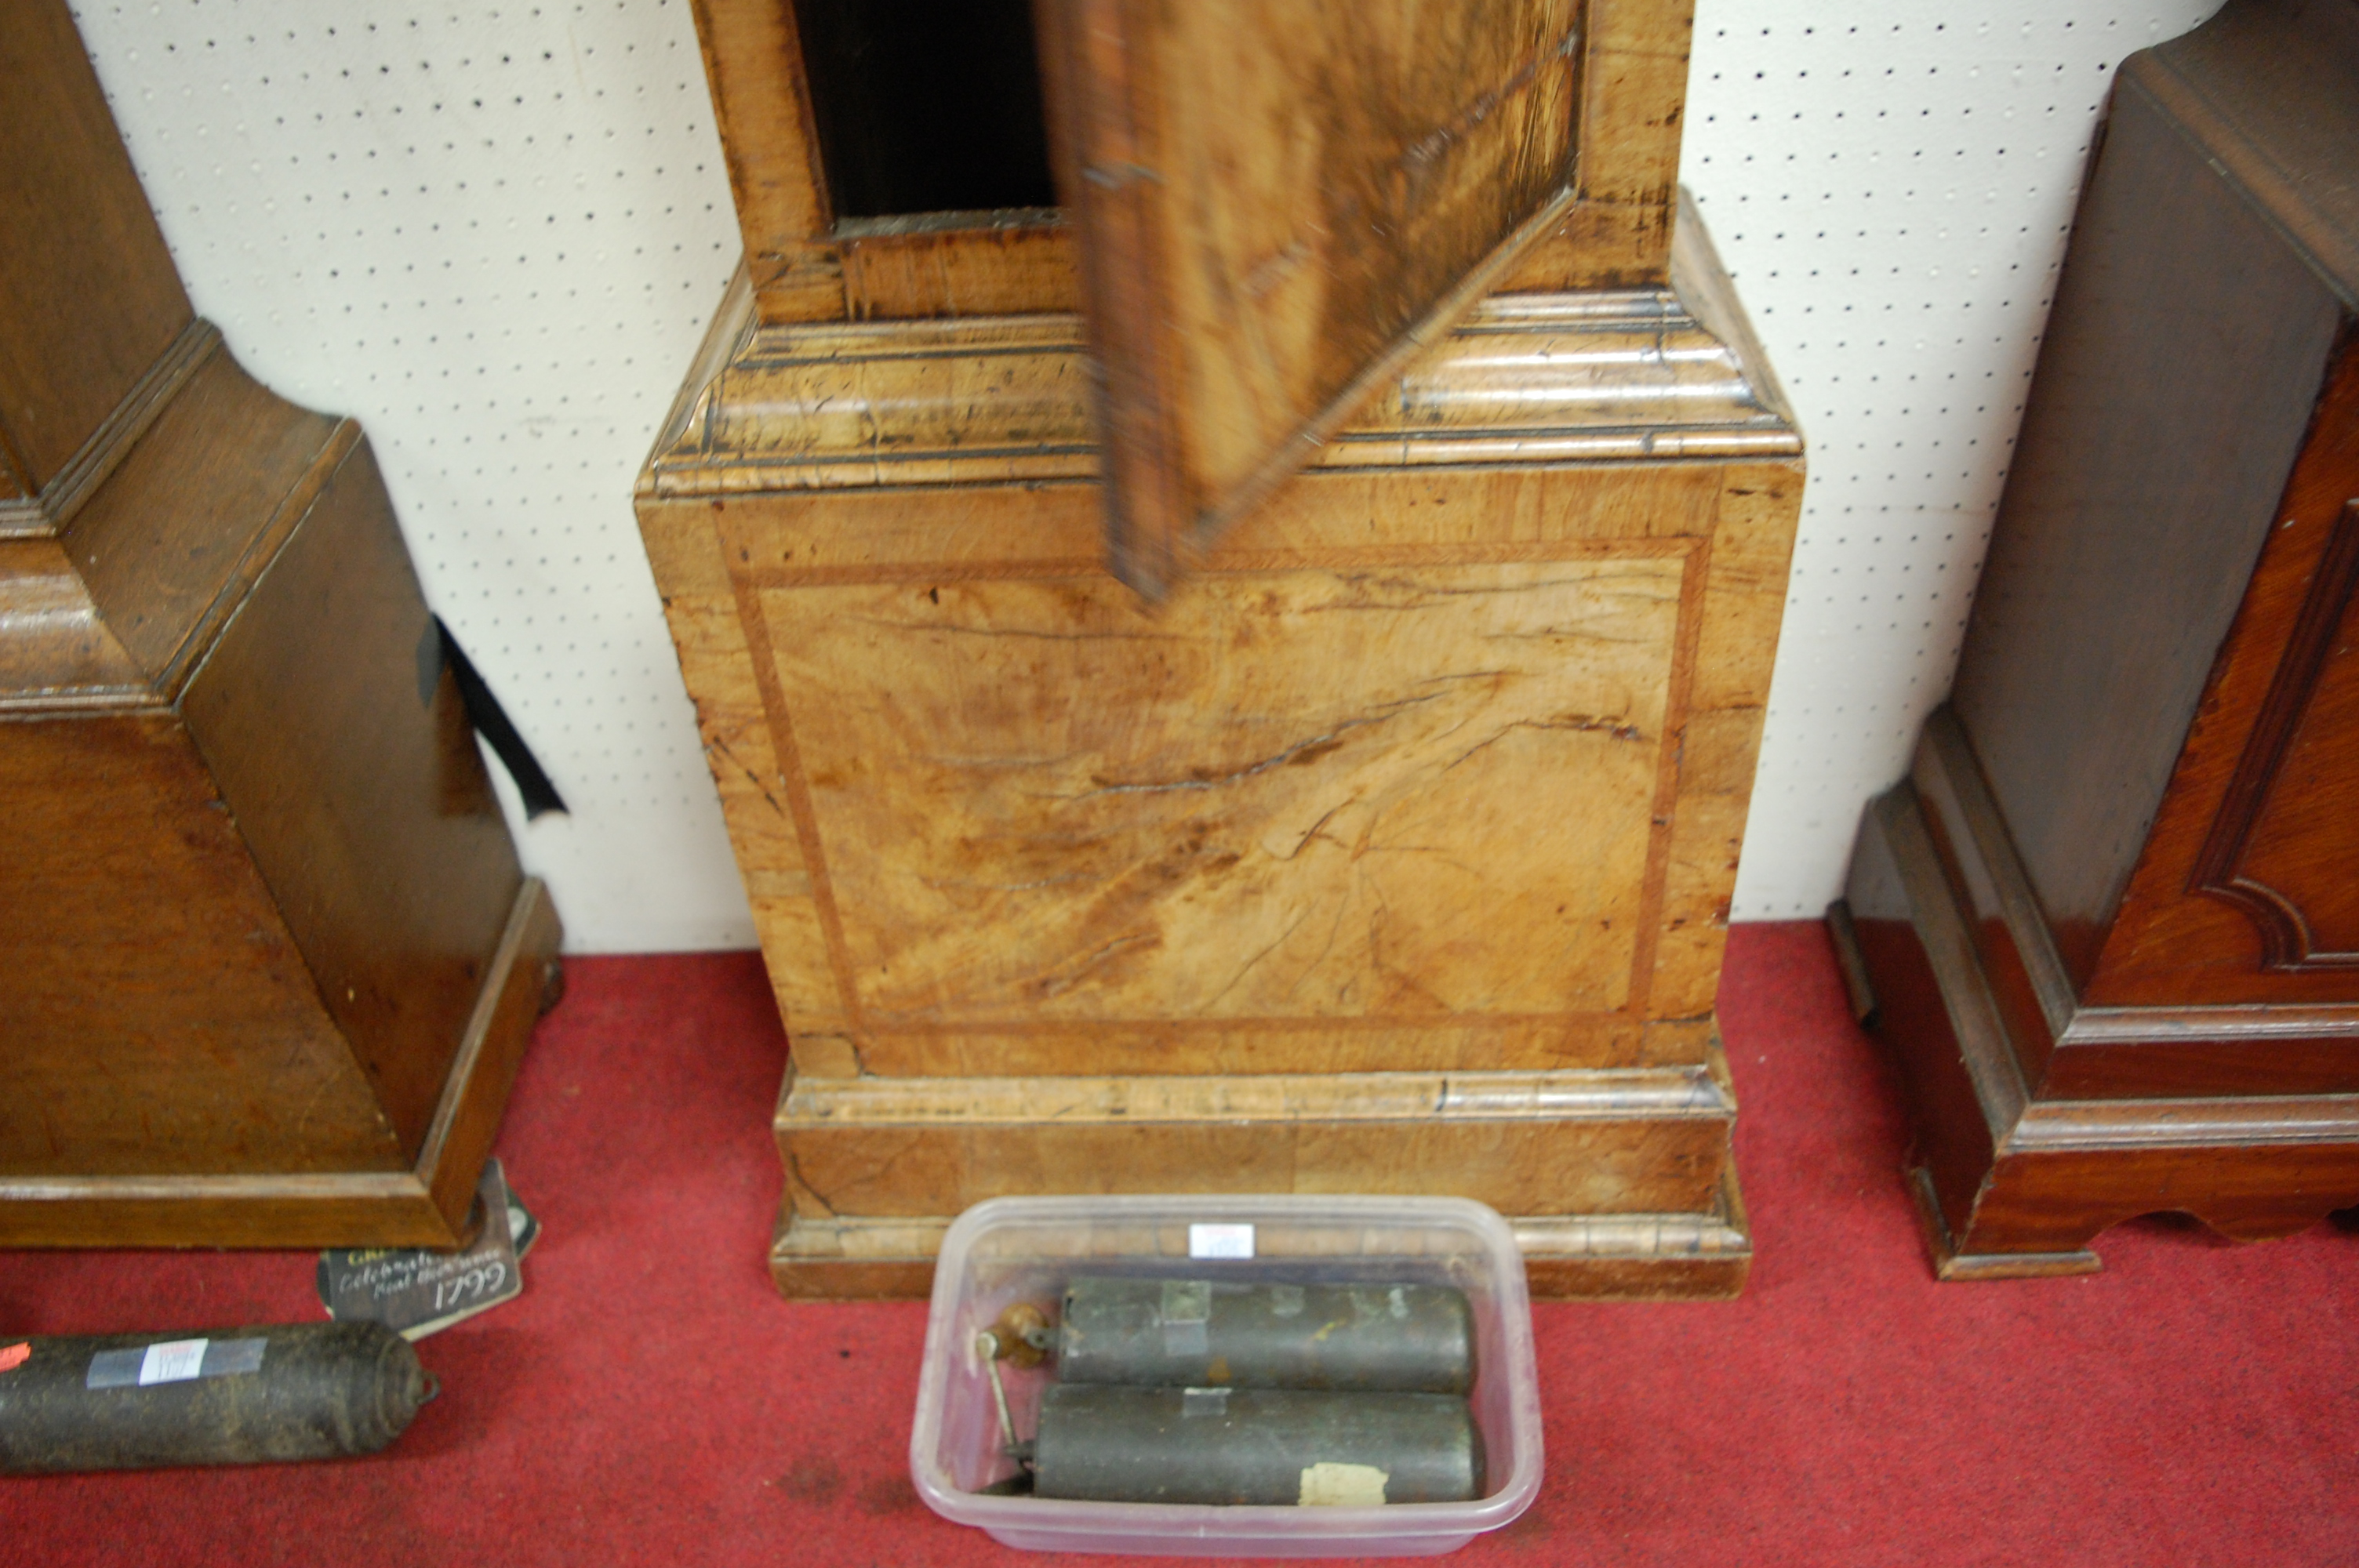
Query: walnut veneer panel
903, 650
1292, 795
1587, 785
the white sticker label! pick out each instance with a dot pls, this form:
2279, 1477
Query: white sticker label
174, 1361
1220, 1241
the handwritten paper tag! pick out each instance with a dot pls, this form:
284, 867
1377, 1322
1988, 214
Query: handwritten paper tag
417, 1293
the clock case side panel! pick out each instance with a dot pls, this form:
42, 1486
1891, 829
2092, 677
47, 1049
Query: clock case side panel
2135, 507
287, 961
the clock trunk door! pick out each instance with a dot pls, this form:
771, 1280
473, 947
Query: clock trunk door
1278, 201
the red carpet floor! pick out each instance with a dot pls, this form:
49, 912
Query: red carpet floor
649, 1399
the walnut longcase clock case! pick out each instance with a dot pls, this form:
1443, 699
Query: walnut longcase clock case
267, 959
1228, 558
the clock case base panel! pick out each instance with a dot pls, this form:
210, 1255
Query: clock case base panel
272, 963
2011, 1180
1612, 1256
1547, 567
1619, 1180
427, 1204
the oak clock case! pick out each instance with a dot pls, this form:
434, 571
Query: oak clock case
2109, 924
267, 962
1204, 700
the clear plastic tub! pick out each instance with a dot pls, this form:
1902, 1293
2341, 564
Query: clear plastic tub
1013, 1250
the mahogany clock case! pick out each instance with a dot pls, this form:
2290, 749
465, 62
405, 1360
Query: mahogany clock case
268, 961
2109, 925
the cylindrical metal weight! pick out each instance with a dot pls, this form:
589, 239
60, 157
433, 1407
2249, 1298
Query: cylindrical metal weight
1110, 1443
232, 1395
1404, 1338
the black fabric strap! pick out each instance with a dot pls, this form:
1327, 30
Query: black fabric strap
491, 721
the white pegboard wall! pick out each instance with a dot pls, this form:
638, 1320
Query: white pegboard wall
495, 235
1891, 186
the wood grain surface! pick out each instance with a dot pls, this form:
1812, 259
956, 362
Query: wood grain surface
808, 264
2106, 926
1612, 1257
92, 301
266, 957
1275, 204
1436, 763
2135, 509
158, 1014
2248, 890
859, 561
1299, 794
426, 1205
880, 610
2017, 1183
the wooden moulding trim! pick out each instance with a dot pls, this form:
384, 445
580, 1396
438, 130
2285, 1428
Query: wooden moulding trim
732, 327
334, 1186
1950, 1264
81, 702
423, 1206
1386, 1023
1633, 1236
1226, 562
1989, 1058
1709, 293
1636, 1235
332, 1210
2133, 1025
2075, 1126
47, 515
1612, 1094
1618, 1256
1859, 988
65, 660
1623, 376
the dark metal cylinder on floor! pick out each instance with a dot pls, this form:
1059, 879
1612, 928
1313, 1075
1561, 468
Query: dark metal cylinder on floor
1110, 1443
1406, 1338
234, 1396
